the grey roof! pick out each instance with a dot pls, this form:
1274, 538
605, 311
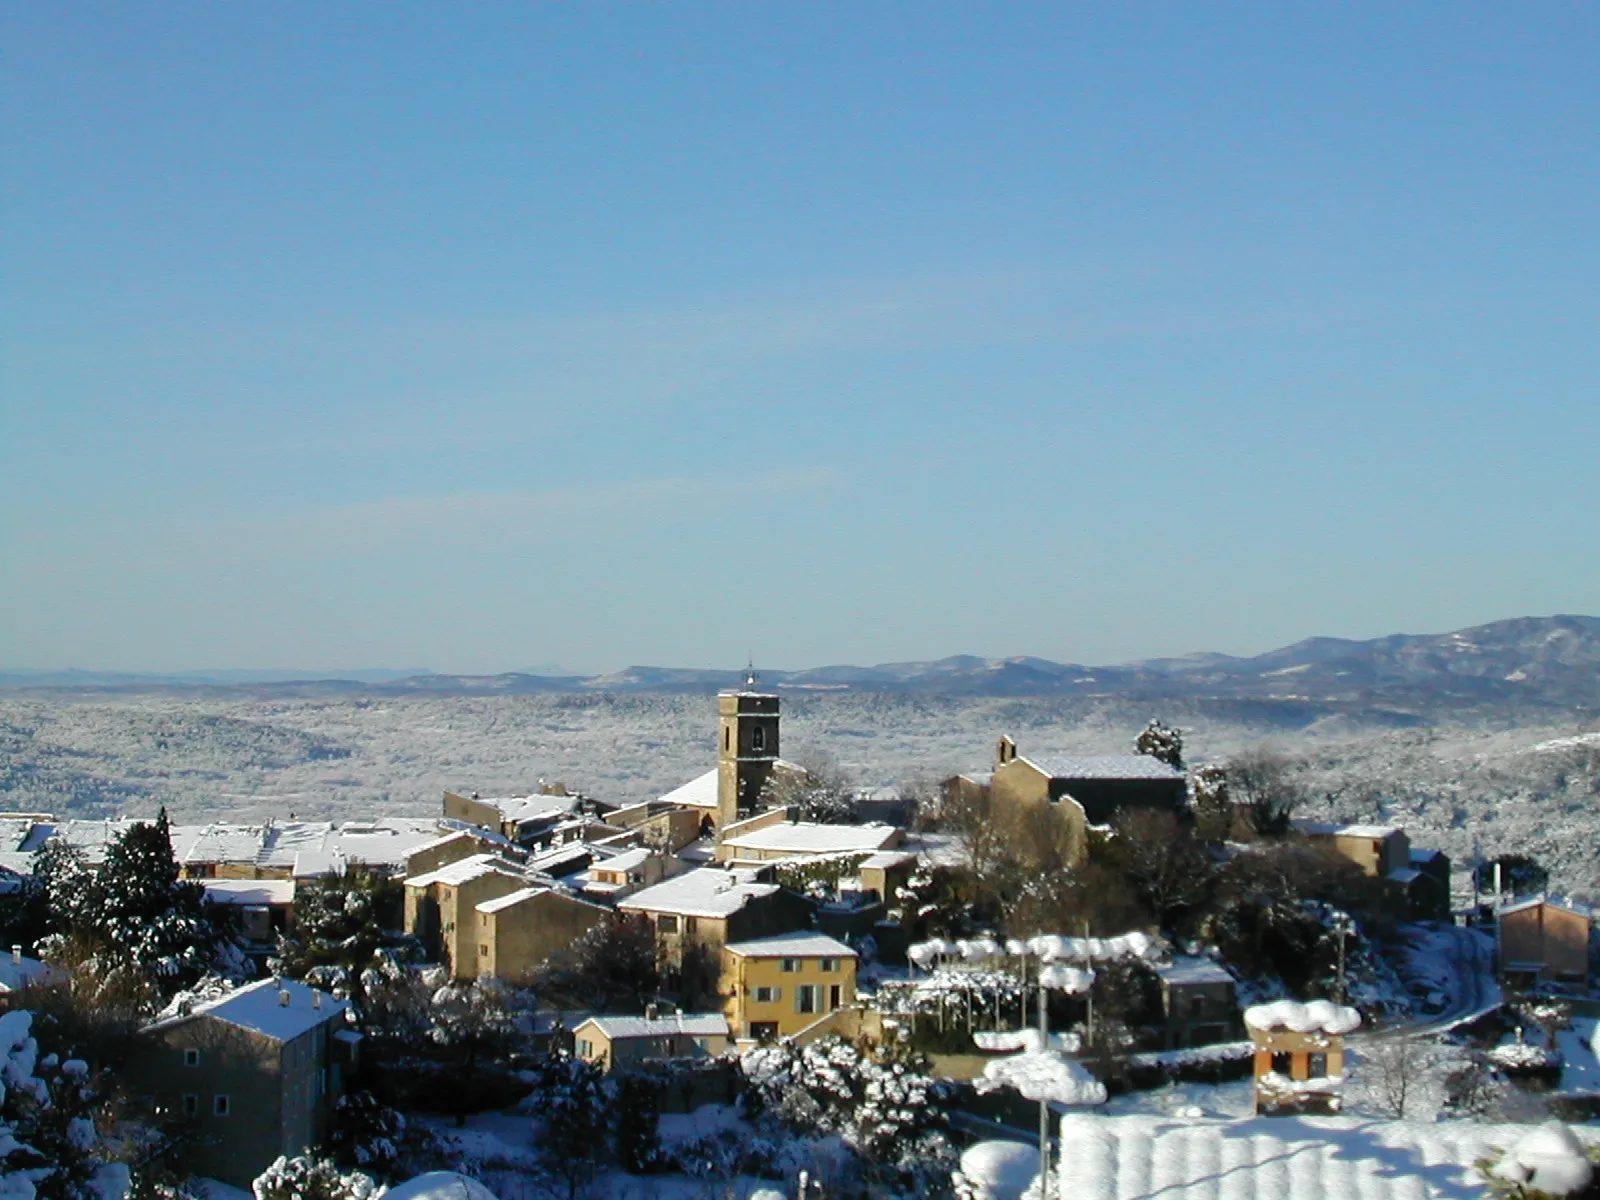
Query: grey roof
675, 1024
1101, 766
258, 1007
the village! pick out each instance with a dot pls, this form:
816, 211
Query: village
901, 994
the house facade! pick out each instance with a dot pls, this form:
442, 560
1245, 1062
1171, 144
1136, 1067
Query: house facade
518, 931
613, 1043
255, 1075
1543, 940
1084, 789
776, 987
1199, 1005
442, 908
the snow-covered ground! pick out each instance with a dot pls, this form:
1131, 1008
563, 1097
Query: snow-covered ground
1526, 790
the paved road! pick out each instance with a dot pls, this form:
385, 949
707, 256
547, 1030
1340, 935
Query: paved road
1476, 991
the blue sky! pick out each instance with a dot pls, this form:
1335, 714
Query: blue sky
479, 337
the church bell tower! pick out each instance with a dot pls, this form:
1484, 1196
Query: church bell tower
747, 749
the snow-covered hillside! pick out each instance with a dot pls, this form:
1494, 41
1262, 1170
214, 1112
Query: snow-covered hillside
1526, 789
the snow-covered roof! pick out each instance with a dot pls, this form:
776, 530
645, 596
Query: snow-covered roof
1339, 829
1101, 766
1317, 1016
1184, 970
17, 973
792, 945
884, 859
1562, 902
1273, 1158
704, 892
440, 1185
535, 807
1045, 1075
457, 873
699, 792
510, 899
806, 837
260, 892
563, 860
672, 1025
626, 861
1404, 875
1421, 855
258, 1007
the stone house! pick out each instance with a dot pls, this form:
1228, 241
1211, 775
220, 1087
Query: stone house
1543, 939
442, 908
778, 986
1199, 1006
1299, 1056
708, 908
1084, 789
255, 1073
518, 931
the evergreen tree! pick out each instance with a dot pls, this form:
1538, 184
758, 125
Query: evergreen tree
639, 1124
612, 968
1161, 742
346, 935
575, 1111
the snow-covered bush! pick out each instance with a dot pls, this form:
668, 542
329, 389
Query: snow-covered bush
1547, 1162
309, 1178
50, 1145
878, 1102
366, 1135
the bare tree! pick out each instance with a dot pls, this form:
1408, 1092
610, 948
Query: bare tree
1263, 782
1394, 1067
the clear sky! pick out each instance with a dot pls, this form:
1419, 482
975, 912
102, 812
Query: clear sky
484, 336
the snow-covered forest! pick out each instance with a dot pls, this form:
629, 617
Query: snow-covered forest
1500, 787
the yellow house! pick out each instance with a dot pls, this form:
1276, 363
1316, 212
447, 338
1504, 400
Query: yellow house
775, 987
1299, 1055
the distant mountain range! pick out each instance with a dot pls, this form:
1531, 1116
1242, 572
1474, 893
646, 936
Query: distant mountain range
1537, 661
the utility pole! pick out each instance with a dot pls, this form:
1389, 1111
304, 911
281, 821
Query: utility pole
1044, 1104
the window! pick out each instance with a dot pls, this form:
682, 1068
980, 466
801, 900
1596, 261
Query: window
191, 1104
768, 995
690, 924
727, 739
221, 1105
834, 995
789, 966
758, 738
191, 1058
1318, 1067
1280, 1063
483, 949
805, 998
829, 965
585, 1048
667, 924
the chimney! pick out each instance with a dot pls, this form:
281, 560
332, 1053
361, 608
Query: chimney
649, 1012
283, 998
316, 999
16, 954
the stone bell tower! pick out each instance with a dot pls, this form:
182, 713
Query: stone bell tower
747, 749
